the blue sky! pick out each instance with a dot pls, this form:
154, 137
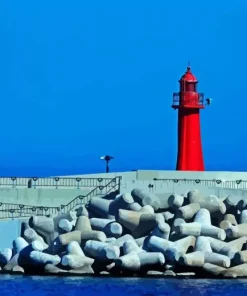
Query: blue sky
80, 79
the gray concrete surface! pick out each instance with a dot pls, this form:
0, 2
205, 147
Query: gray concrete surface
159, 174
9, 230
40, 197
55, 194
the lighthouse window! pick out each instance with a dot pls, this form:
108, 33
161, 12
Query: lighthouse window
191, 86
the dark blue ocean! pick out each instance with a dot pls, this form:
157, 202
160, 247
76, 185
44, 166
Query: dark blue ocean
68, 286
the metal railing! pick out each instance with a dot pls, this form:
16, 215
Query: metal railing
114, 184
77, 182
191, 99
8, 210
55, 182
237, 184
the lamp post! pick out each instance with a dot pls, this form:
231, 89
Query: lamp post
107, 159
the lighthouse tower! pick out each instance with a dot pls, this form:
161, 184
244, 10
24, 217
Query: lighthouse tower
189, 102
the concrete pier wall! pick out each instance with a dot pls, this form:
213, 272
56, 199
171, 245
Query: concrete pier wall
218, 183
165, 179
9, 230
159, 174
49, 192
40, 197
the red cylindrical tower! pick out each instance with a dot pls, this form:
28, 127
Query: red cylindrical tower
189, 102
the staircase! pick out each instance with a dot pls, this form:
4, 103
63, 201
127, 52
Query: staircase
11, 210
113, 185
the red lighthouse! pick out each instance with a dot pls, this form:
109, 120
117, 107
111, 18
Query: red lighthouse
189, 102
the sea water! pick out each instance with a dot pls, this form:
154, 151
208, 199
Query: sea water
76, 286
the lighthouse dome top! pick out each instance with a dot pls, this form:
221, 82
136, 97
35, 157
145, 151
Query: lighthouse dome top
188, 76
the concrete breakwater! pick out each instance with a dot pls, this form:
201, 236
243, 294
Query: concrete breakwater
137, 234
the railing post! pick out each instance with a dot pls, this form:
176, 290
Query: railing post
13, 182
101, 188
56, 180
34, 184
12, 213
119, 183
78, 182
